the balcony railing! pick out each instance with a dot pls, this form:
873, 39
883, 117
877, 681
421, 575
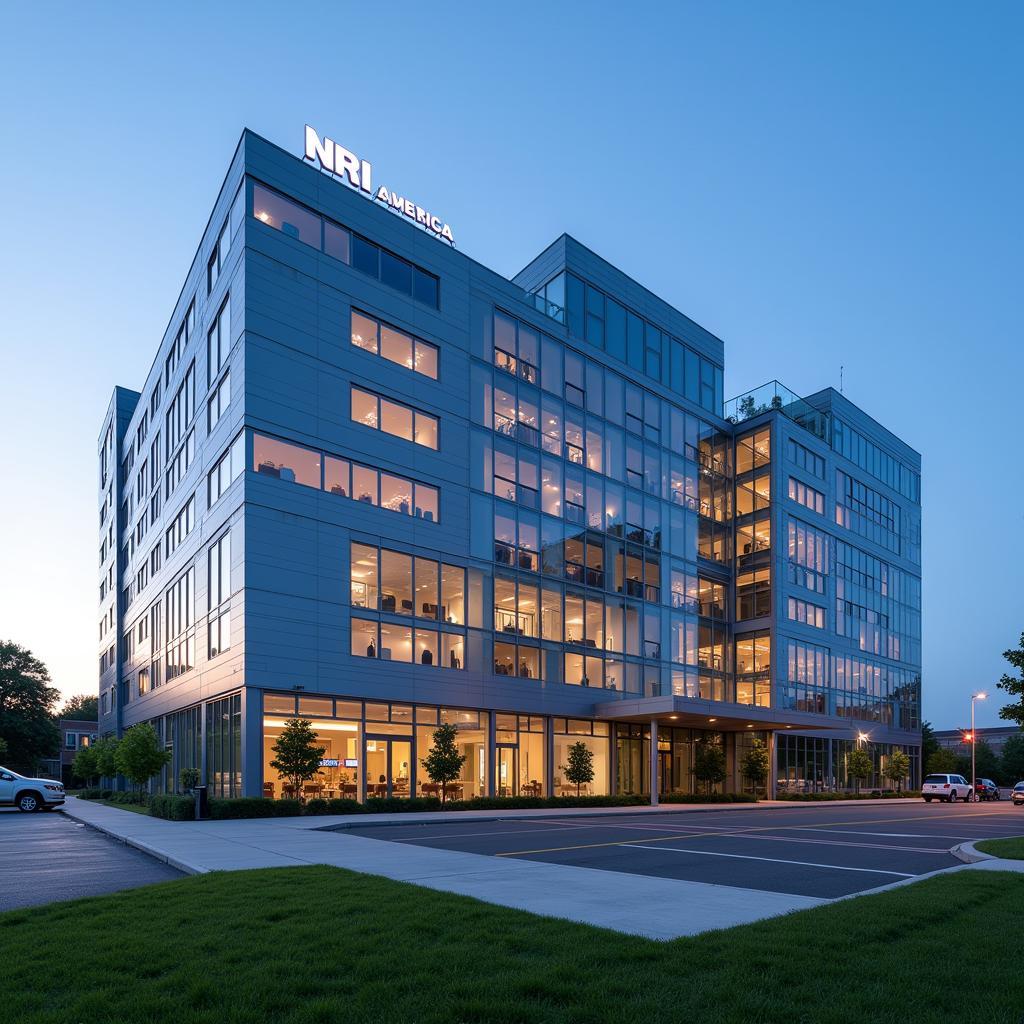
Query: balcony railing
776, 396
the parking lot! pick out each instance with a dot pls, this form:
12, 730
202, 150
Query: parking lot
47, 857
820, 850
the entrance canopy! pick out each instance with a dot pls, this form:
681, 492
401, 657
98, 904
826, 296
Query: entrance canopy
721, 716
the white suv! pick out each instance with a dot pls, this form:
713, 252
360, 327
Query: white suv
946, 787
29, 794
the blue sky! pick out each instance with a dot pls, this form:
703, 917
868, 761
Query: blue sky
818, 184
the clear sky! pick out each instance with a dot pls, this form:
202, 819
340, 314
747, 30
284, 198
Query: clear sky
818, 184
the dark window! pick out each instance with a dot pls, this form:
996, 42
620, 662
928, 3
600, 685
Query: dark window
574, 305
395, 272
365, 256
424, 287
615, 331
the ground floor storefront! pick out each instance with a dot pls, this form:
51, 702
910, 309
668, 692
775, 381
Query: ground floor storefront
376, 748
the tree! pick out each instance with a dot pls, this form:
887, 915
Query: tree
297, 757
188, 779
859, 765
106, 756
27, 702
139, 755
941, 762
443, 763
755, 764
84, 707
709, 764
1014, 685
929, 744
896, 768
1013, 760
579, 766
3, 747
84, 766
986, 762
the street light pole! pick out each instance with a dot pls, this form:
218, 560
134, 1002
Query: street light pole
974, 746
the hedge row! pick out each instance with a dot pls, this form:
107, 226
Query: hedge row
706, 798
888, 794
182, 808
258, 807
173, 808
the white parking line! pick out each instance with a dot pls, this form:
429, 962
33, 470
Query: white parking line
775, 860
892, 835
833, 842
470, 835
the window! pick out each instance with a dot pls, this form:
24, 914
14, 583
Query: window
390, 641
285, 461
181, 410
394, 582
225, 470
219, 591
753, 451
181, 526
395, 418
753, 594
289, 218
807, 496
360, 253
218, 258
805, 612
178, 464
806, 459
180, 343
218, 402
179, 604
218, 342
381, 339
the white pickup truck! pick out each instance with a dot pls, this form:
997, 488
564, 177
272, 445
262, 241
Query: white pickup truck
29, 794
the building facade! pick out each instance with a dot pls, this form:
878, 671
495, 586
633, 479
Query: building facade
75, 733
372, 483
958, 740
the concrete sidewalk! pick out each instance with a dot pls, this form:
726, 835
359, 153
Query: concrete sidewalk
655, 907
658, 908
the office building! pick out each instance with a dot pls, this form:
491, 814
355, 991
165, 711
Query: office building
375, 484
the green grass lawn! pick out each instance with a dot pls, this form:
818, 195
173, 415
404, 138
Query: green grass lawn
1011, 849
314, 945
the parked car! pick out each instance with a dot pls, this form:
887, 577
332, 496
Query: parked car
1017, 796
946, 787
29, 794
986, 789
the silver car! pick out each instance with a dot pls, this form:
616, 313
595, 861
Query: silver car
29, 794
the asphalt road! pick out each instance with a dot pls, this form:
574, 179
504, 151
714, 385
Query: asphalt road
818, 851
46, 857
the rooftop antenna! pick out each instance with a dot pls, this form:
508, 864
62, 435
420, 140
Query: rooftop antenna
840, 379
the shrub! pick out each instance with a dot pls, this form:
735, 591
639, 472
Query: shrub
253, 807
875, 794
173, 808
398, 804
345, 805
316, 806
93, 793
707, 798
130, 797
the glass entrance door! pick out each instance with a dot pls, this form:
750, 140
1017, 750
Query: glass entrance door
506, 773
388, 766
664, 771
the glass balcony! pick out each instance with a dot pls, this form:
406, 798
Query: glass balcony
774, 395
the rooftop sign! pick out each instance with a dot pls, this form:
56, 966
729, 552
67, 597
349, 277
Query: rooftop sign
347, 166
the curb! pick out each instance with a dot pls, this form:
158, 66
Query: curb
136, 844
431, 817
969, 855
